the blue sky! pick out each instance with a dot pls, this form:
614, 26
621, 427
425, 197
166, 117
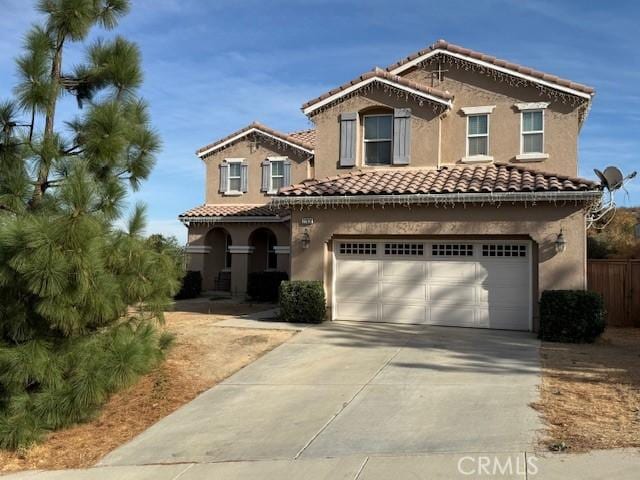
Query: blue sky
212, 67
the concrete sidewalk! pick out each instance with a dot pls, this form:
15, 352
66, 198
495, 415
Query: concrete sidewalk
613, 464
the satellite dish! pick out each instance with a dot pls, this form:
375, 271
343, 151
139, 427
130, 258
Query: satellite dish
601, 177
604, 209
614, 177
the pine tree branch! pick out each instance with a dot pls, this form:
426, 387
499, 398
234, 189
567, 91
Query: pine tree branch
56, 66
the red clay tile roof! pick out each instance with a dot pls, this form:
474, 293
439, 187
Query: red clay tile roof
464, 179
380, 73
300, 142
306, 136
208, 210
444, 45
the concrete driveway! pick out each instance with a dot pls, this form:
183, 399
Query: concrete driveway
355, 391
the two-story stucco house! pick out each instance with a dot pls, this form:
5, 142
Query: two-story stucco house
440, 190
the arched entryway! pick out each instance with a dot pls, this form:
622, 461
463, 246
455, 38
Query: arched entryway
263, 256
217, 268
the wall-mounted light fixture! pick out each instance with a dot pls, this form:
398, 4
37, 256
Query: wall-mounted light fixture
561, 242
305, 239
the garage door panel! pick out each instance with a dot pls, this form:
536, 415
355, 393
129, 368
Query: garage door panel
364, 311
403, 313
506, 273
362, 291
452, 272
456, 317
403, 291
410, 271
357, 270
446, 294
503, 296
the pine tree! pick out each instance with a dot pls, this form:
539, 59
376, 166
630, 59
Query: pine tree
79, 298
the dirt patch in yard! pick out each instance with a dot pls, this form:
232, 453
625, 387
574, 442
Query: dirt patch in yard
590, 397
202, 356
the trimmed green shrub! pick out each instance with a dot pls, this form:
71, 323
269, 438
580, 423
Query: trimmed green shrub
264, 286
302, 302
191, 285
573, 316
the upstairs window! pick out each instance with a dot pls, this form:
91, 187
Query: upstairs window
235, 177
378, 134
477, 135
532, 131
277, 175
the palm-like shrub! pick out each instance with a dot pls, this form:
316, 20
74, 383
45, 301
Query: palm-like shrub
79, 298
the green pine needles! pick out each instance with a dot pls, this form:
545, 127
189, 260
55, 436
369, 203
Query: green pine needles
80, 299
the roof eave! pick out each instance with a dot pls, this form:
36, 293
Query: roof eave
186, 220
436, 198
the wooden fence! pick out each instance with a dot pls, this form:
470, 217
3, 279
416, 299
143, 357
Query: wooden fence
618, 281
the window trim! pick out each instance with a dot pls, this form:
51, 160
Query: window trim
228, 192
531, 156
271, 160
365, 141
482, 158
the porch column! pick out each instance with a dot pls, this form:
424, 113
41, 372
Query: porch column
196, 255
283, 252
239, 268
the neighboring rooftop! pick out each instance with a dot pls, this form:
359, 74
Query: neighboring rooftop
494, 178
457, 49
306, 136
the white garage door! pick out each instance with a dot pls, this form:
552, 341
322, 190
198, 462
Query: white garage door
483, 284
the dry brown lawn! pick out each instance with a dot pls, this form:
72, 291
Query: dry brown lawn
202, 356
590, 397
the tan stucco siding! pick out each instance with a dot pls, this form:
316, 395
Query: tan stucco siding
424, 131
254, 157
541, 224
561, 123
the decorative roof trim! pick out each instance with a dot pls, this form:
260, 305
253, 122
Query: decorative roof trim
435, 198
421, 58
234, 219
253, 128
380, 77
